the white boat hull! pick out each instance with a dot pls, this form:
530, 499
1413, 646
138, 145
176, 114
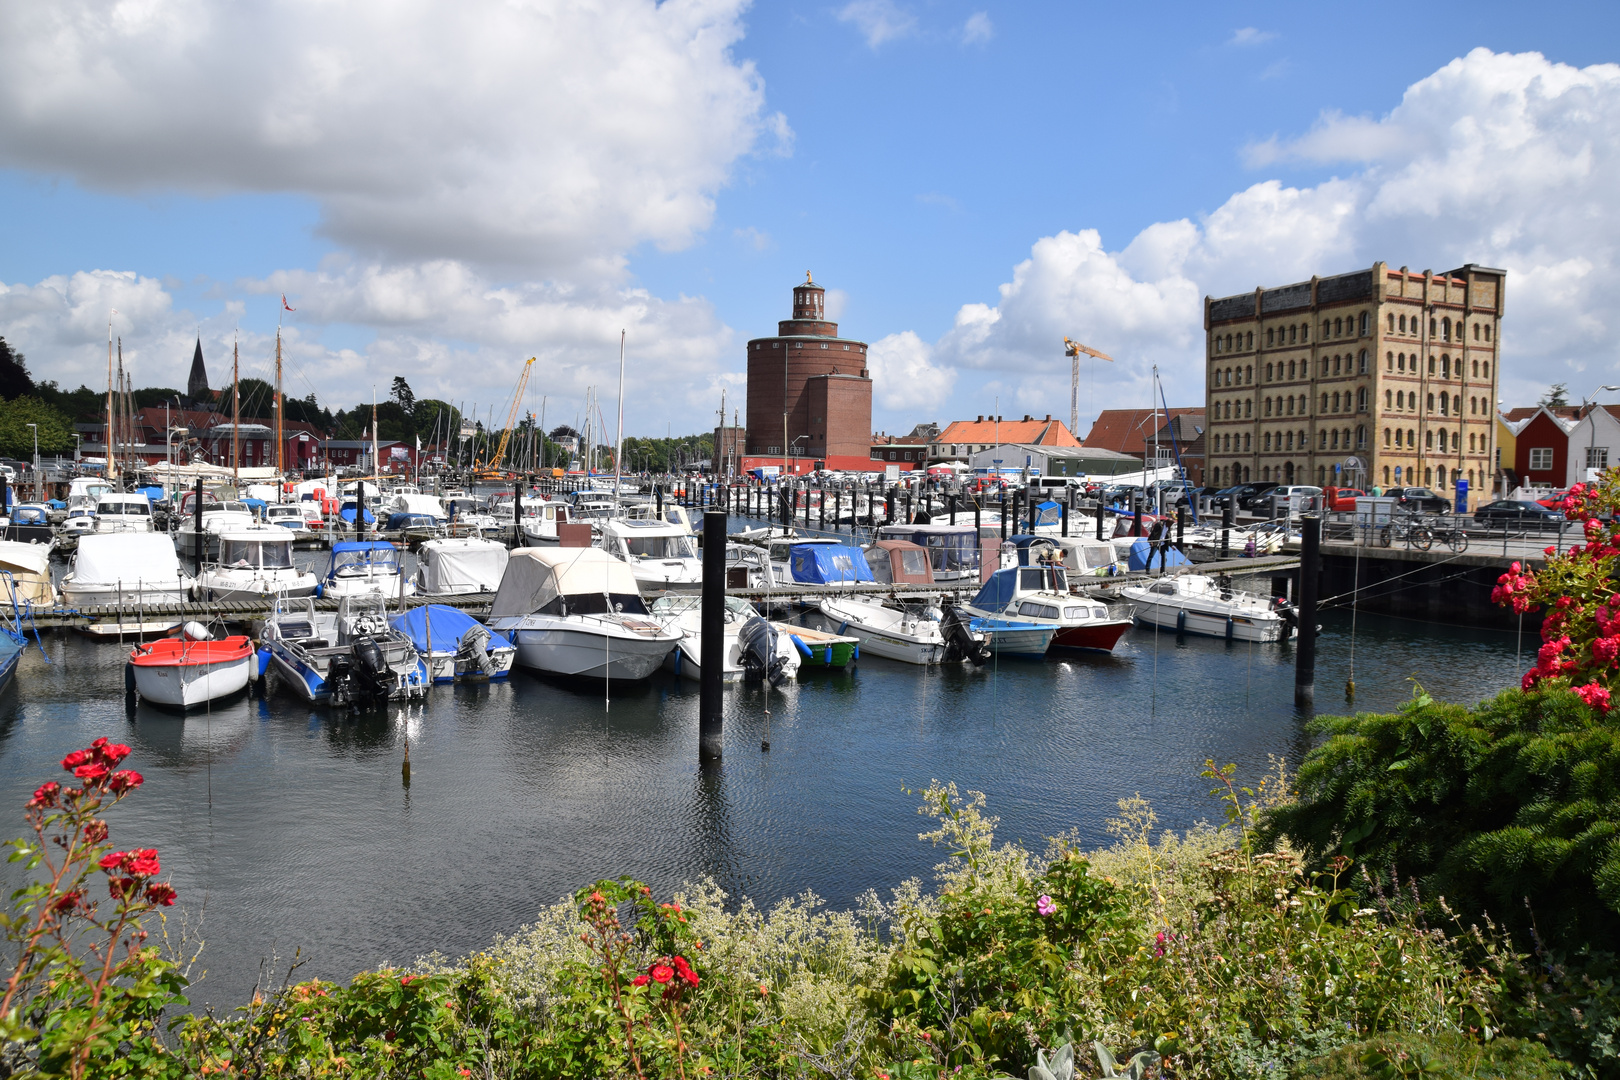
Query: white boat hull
589, 654
927, 647
442, 666
128, 594
186, 686
1245, 626
219, 587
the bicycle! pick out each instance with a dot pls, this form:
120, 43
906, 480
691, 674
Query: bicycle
1451, 534
1410, 531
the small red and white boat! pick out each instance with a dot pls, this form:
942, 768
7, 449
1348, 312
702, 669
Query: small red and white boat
189, 671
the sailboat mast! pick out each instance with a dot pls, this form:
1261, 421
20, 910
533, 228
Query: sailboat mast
281, 464
376, 462
618, 448
236, 414
112, 467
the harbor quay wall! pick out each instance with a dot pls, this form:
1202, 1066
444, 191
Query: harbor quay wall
1430, 586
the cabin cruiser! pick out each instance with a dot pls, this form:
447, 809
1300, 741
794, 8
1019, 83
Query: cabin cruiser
26, 572
30, 523
126, 569
253, 564
1039, 595
1199, 604
660, 555
540, 521
349, 657
85, 492
80, 520
448, 566
955, 551
454, 646
683, 614
289, 516
217, 517
577, 611
123, 512
365, 566
912, 634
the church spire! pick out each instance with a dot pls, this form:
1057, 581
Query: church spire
197, 384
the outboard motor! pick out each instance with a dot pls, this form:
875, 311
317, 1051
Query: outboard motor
375, 676
960, 644
341, 681
756, 642
473, 652
1288, 613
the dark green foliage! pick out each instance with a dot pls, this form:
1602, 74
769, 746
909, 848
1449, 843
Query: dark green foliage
1442, 1057
156, 396
17, 438
14, 378
1510, 810
83, 405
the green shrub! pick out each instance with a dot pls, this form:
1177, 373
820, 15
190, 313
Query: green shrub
1444, 1056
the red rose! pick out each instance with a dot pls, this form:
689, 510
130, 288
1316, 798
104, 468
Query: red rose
95, 832
95, 770
75, 759
125, 780
159, 893
113, 753
639, 980
662, 972
144, 863
68, 901
112, 862
45, 795
118, 888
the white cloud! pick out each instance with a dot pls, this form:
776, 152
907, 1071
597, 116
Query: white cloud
904, 376
878, 20
1505, 160
549, 137
978, 29
1249, 35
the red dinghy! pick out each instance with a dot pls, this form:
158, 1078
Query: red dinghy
184, 673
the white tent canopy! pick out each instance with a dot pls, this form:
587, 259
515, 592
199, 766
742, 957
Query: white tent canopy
30, 568
417, 504
469, 565
536, 576
128, 557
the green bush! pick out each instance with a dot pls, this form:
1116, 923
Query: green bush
1444, 1056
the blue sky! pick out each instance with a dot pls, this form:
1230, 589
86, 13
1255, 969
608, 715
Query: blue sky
912, 154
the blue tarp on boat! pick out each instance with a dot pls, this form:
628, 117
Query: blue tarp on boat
1047, 513
998, 592
1142, 551
828, 564
379, 553
347, 514
411, 521
439, 627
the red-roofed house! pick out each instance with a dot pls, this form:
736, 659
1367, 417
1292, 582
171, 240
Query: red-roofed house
1130, 431
965, 437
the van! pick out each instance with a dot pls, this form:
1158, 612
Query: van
1295, 498
1055, 484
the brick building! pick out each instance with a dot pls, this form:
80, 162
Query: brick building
964, 438
729, 442
1374, 377
815, 385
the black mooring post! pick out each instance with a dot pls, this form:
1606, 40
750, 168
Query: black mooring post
951, 499
712, 660
1181, 527
1101, 513
196, 513
1003, 513
1228, 518
1065, 518
1136, 515
658, 499
517, 514
1310, 569
888, 507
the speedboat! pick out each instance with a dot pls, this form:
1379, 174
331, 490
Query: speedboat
660, 555
127, 569
253, 564
1199, 604
577, 612
684, 615
365, 566
453, 566
217, 517
123, 512
192, 670
289, 516
909, 634
348, 658
1038, 596
455, 646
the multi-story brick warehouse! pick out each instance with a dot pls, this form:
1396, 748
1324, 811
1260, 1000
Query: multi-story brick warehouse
1375, 377
818, 382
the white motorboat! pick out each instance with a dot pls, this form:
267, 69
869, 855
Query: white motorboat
455, 646
289, 516
540, 521
955, 551
577, 612
123, 512
358, 567
80, 520
684, 614
1199, 604
190, 671
466, 565
217, 517
26, 569
660, 555
348, 658
126, 569
254, 564
1038, 598
911, 635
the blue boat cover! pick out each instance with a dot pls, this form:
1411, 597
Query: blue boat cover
828, 564
440, 627
151, 491
1141, 550
57, 504
998, 592
1048, 513
255, 506
408, 521
361, 552
347, 514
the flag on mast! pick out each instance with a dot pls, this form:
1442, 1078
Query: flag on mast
285, 304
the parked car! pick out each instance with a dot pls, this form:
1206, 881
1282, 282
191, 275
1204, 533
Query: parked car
1294, 497
1552, 499
1420, 499
1245, 494
1505, 512
1342, 499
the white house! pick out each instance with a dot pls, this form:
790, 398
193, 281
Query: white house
1594, 444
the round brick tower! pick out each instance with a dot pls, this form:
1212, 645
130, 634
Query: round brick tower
815, 379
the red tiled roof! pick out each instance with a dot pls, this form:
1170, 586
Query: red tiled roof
1126, 431
1028, 432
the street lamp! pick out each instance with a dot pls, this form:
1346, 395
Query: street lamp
35, 428
1591, 440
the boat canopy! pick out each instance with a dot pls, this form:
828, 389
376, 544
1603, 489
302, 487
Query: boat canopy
537, 576
255, 548
448, 565
356, 556
828, 564
133, 504
900, 562
30, 515
1080, 554
651, 539
439, 627
1008, 583
411, 521
108, 558
951, 548
1047, 513
30, 568
1142, 554
408, 503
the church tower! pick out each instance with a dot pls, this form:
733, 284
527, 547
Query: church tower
197, 385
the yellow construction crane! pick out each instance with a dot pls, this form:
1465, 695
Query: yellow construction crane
495, 462
1075, 350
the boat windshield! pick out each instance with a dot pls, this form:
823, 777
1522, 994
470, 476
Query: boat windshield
595, 604
1098, 556
244, 554
953, 552
134, 509
376, 560
913, 563
661, 547
1043, 579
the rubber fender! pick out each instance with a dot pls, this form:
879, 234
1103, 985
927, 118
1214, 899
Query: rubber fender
263, 658
803, 648
826, 657
320, 590
129, 677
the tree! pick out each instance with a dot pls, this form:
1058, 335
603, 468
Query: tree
563, 431
1557, 396
17, 438
401, 393
151, 396
14, 378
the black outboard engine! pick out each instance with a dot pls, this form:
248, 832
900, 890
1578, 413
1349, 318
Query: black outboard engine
1289, 614
472, 653
960, 644
341, 681
756, 642
372, 669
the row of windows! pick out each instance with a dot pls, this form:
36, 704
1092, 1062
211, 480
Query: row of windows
1335, 402
1331, 365
1541, 457
1447, 442
1298, 333
1441, 329
1224, 410
1402, 362
759, 345
1406, 401
1223, 377
1288, 472
905, 455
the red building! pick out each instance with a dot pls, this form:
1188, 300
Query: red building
811, 386
1541, 449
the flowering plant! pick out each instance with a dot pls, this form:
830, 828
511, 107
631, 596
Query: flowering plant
85, 979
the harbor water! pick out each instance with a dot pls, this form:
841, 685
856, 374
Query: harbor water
287, 828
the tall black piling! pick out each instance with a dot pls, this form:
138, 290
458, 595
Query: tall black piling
517, 514
1310, 571
1181, 527
1101, 513
359, 512
196, 517
712, 658
1066, 516
1228, 519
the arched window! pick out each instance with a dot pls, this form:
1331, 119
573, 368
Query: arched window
1361, 437
1456, 404
1324, 407
1389, 400
1335, 443
1249, 340
1248, 407
1392, 323
1433, 331
1290, 440
1248, 374
1444, 405
1403, 324
1271, 335
1335, 401
1217, 344
1476, 331
1290, 402
1268, 373
1442, 440
1335, 365
1245, 474
1471, 438
1411, 437
1247, 442
1293, 334
1363, 325
1386, 475
1291, 370
1487, 331
1361, 364
1322, 440
1389, 361
1431, 365
1304, 331
1445, 367
1428, 440
1361, 399
1386, 436
1338, 327
1321, 475
1267, 442
1265, 474
1268, 407
1441, 476
1400, 362
1475, 367
1428, 477
1430, 403
1445, 330
1400, 398
1485, 370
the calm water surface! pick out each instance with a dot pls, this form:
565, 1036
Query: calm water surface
287, 828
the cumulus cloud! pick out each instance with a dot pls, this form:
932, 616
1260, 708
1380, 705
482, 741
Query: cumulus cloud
904, 375
1505, 160
878, 20
978, 29
1250, 35
549, 137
